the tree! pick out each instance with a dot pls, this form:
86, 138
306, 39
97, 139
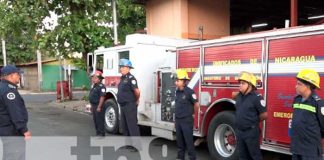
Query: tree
18, 26
83, 25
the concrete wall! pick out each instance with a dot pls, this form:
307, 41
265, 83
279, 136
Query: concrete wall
212, 15
182, 18
30, 78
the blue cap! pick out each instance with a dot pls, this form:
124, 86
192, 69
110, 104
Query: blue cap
8, 69
126, 63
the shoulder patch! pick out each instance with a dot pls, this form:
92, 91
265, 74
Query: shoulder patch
11, 86
322, 111
103, 90
316, 97
194, 96
134, 81
11, 96
263, 103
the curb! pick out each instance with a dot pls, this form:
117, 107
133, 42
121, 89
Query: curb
24, 92
73, 105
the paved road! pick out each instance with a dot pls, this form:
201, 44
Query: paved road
30, 97
57, 130
65, 126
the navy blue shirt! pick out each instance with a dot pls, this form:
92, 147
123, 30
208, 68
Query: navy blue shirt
248, 109
306, 137
184, 102
126, 87
98, 90
13, 112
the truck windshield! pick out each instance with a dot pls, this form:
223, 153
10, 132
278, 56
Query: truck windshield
99, 62
123, 55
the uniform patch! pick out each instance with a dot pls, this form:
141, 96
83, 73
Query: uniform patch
103, 90
11, 96
134, 82
263, 103
194, 96
183, 97
322, 110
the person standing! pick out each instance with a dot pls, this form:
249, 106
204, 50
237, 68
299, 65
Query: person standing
97, 98
186, 104
306, 132
250, 110
128, 98
13, 115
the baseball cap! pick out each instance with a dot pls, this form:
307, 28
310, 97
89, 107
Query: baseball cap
97, 73
8, 69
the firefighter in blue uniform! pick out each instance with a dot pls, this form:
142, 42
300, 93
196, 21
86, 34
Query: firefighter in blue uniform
128, 98
13, 115
97, 98
186, 104
250, 110
306, 136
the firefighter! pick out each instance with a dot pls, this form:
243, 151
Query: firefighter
128, 98
13, 115
250, 110
97, 98
306, 136
186, 104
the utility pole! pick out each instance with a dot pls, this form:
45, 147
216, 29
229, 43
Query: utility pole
39, 69
4, 52
115, 22
60, 72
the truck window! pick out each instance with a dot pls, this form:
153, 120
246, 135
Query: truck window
123, 55
99, 62
110, 64
89, 63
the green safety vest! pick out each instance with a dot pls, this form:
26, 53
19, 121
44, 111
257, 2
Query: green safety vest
305, 107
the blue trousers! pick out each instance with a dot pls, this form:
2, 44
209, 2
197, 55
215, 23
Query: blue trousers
129, 119
99, 120
301, 157
184, 133
249, 144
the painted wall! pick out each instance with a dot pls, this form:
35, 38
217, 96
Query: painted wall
51, 76
30, 77
182, 18
212, 15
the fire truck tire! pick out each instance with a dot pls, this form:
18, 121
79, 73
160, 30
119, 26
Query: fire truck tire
221, 139
111, 116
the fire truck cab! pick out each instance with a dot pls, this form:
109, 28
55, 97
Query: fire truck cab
153, 59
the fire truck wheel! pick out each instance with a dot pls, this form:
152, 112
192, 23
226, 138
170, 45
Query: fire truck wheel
221, 137
111, 116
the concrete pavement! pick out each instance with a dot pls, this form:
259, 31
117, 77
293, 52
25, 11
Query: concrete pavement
76, 104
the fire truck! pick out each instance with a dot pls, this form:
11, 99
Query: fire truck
275, 57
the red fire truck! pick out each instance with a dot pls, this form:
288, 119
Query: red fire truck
275, 57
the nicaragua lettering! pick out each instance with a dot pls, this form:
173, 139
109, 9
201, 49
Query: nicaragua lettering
295, 59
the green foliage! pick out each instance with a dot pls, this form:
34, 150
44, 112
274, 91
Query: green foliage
130, 18
82, 26
19, 22
80, 63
